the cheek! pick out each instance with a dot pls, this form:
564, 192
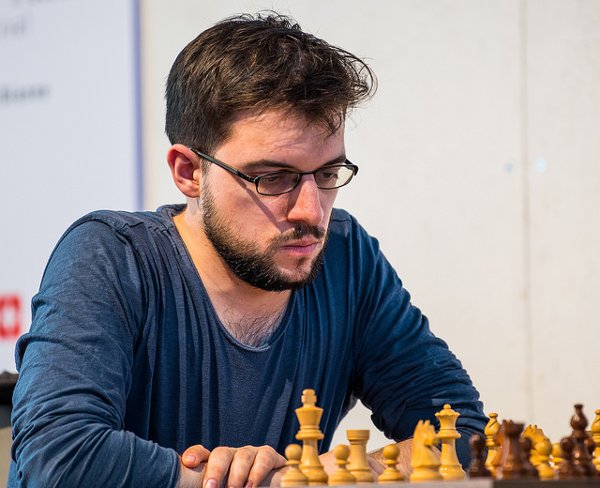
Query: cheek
259, 215
327, 201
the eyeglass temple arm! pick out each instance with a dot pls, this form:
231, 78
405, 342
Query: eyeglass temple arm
231, 169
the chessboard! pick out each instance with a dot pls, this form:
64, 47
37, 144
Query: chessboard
508, 455
491, 483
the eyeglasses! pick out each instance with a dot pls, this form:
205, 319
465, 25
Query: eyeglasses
327, 177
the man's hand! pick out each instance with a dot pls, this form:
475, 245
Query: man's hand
243, 467
375, 459
192, 465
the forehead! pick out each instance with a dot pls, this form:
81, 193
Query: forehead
279, 135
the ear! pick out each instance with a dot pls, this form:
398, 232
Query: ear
185, 170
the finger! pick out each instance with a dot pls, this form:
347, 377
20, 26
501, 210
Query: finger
194, 455
328, 461
265, 461
217, 466
242, 462
274, 477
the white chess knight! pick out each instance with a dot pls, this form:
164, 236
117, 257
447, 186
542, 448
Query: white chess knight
424, 460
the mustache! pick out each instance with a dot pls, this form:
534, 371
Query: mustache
300, 231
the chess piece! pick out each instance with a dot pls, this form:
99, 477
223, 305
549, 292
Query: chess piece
566, 469
390, 474
424, 460
596, 439
591, 446
341, 476
528, 470
511, 466
532, 432
491, 431
497, 459
540, 453
544, 449
477, 467
293, 476
581, 455
359, 466
557, 456
450, 467
309, 416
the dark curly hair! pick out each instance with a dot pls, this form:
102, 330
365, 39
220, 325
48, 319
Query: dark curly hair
259, 63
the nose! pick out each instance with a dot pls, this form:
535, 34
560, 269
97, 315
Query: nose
305, 202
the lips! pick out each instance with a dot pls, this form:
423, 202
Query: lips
301, 243
303, 247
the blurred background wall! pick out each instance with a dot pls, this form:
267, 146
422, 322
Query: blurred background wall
480, 170
70, 134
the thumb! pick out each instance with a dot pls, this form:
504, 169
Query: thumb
194, 455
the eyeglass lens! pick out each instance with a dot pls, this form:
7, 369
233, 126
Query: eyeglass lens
328, 177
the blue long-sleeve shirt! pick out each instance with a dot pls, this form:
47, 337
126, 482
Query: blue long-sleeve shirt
126, 363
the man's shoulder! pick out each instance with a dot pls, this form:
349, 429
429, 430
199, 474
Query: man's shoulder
347, 237
121, 220
112, 229
345, 227
342, 221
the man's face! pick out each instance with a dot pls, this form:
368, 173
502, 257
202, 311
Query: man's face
274, 243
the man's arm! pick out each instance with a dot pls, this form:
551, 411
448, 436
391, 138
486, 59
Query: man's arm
402, 372
75, 369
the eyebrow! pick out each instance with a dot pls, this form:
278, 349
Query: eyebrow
273, 164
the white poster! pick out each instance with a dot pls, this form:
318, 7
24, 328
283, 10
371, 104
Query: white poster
69, 134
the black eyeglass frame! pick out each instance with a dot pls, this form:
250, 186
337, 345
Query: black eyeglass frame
256, 179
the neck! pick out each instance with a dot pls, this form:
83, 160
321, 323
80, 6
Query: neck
249, 313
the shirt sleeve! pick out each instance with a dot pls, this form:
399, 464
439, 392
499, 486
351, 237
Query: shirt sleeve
403, 372
75, 371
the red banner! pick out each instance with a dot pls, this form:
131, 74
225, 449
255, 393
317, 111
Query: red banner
10, 316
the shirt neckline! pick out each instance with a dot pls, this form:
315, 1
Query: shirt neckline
167, 212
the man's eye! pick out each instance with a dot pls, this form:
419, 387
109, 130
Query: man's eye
329, 175
274, 178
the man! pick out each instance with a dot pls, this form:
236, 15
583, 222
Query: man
170, 348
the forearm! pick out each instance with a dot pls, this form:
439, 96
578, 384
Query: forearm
78, 455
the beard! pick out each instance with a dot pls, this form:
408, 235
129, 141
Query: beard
247, 262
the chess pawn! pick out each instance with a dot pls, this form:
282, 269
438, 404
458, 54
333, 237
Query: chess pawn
591, 446
341, 476
450, 468
581, 456
293, 476
491, 431
477, 467
596, 439
390, 474
566, 469
359, 465
424, 460
309, 416
511, 466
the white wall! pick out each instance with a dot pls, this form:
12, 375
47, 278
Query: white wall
479, 175
68, 140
